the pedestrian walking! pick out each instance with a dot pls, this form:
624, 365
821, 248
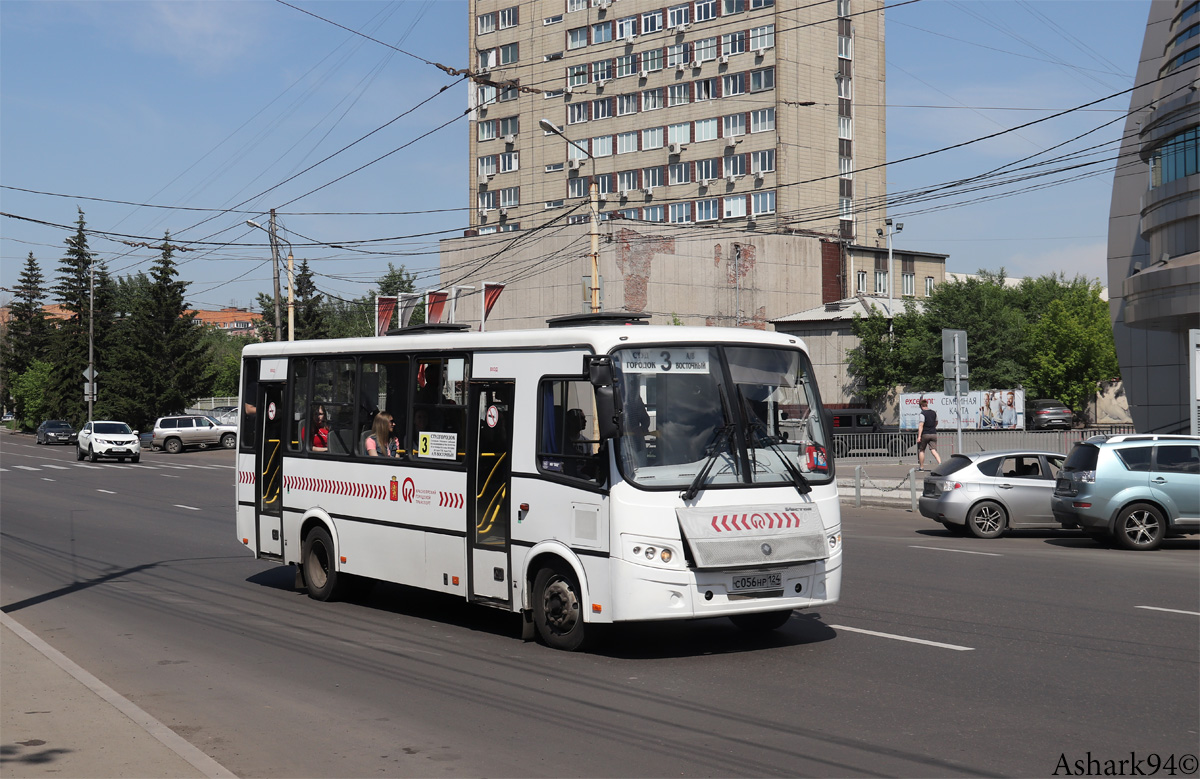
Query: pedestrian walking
927, 435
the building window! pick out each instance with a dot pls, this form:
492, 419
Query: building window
627, 142
652, 60
845, 128
487, 165
706, 89
509, 162
626, 65
762, 161
762, 120
679, 94
508, 18
762, 37
555, 167
1176, 158
510, 197
845, 88
602, 70
734, 43
626, 28
652, 138
577, 75
846, 209
681, 213
734, 124
761, 80
576, 5
735, 165
604, 184
485, 23
677, 55
510, 125
487, 200
708, 169
678, 15
679, 133
575, 151
910, 283
552, 20
707, 210
735, 206
652, 99
486, 59
679, 173
763, 202
602, 146
652, 22
705, 10
653, 176
506, 94
862, 281
706, 50
577, 187
843, 8
602, 108
577, 113
554, 204
626, 104
627, 180
652, 214
733, 84
761, 4
509, 53
487, 130
928, 286
706, 130
845, 46
733, 7
880, 282
602, 32
577, 38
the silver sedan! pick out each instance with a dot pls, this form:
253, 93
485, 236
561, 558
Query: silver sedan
986, 493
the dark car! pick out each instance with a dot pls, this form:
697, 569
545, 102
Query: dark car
55, 431
1047, 413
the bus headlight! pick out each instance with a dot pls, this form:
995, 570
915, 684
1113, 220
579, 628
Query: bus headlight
835, 541
656, 553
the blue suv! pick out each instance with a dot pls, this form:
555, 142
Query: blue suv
1135, 489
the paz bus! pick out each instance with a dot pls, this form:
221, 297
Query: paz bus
600, 470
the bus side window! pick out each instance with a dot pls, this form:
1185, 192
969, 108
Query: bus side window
333, 392
248, 429
298, 426
567, 437
384, 387
439, 408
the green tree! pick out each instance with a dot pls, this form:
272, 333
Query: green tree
88, 322
30, 389
27, 333
309, 311
1071, 346
224, 353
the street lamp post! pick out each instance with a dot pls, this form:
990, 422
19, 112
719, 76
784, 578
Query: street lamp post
594, 196
890, 232
275, 277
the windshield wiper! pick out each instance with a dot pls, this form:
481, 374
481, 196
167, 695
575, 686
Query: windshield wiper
758, 426
719, 438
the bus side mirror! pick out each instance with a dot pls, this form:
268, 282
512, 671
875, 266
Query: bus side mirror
600, 374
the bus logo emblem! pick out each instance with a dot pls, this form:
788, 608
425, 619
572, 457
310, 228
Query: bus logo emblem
766, 550
395, 491
409, 490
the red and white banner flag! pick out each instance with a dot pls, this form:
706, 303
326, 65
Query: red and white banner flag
435, 307
408, 304
385, 308
491, 293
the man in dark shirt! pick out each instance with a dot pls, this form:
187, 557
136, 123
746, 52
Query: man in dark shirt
927, 435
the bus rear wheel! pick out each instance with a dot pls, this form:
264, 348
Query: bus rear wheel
557, 614
761, 623
320, 574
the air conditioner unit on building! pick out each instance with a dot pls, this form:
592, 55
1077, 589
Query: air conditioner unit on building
602, 196
483, 70
723, 59
751, 219
706, 183
695, 64
574, 164
731, 178
649, 191
675, 148
488, 177
510, 139
624, 194
758, 177
760, 53
483, 213
730, 142
503, 213
679, 68
630, 36
643, 73
569, 89
681, 27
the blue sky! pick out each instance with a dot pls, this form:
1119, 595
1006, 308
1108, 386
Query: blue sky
210, 105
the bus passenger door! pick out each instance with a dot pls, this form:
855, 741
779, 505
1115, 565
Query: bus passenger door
269, 468
488, 476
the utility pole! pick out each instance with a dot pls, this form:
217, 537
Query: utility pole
275, 275
91, 398
594, 191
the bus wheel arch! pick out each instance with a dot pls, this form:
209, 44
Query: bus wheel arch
319, 561
556, 594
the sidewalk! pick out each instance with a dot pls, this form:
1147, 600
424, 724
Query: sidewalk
56, 719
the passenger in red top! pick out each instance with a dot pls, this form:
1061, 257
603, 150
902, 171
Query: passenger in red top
320, 439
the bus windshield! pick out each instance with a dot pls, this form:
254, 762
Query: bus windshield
701, 416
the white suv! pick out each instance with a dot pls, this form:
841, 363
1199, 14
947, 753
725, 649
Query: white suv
108, 439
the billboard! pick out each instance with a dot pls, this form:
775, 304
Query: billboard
1000, 409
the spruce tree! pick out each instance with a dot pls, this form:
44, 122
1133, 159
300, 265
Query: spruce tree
26, 336
309, 307
69, 344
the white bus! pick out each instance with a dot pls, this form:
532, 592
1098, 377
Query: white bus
581, 474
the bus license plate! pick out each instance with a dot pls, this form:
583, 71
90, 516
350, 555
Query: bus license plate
758, 582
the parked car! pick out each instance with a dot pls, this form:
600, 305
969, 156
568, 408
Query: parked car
108, 439
55, 431
861, 431
987, 493
1046, 413
1134, 489
174, 434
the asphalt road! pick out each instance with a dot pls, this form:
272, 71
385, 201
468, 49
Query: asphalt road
947, 656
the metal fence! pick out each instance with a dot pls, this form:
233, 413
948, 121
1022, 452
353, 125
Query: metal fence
900, 447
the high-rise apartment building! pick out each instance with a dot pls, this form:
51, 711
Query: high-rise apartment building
751, 113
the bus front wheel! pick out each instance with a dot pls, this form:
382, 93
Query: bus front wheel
557, 613
320, 574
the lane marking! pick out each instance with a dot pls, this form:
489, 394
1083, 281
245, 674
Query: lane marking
169, 475
1172, 611
207, 766
46, 479
938, 644
960, 551
108, 492
27, 467
57, 467
189, 508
